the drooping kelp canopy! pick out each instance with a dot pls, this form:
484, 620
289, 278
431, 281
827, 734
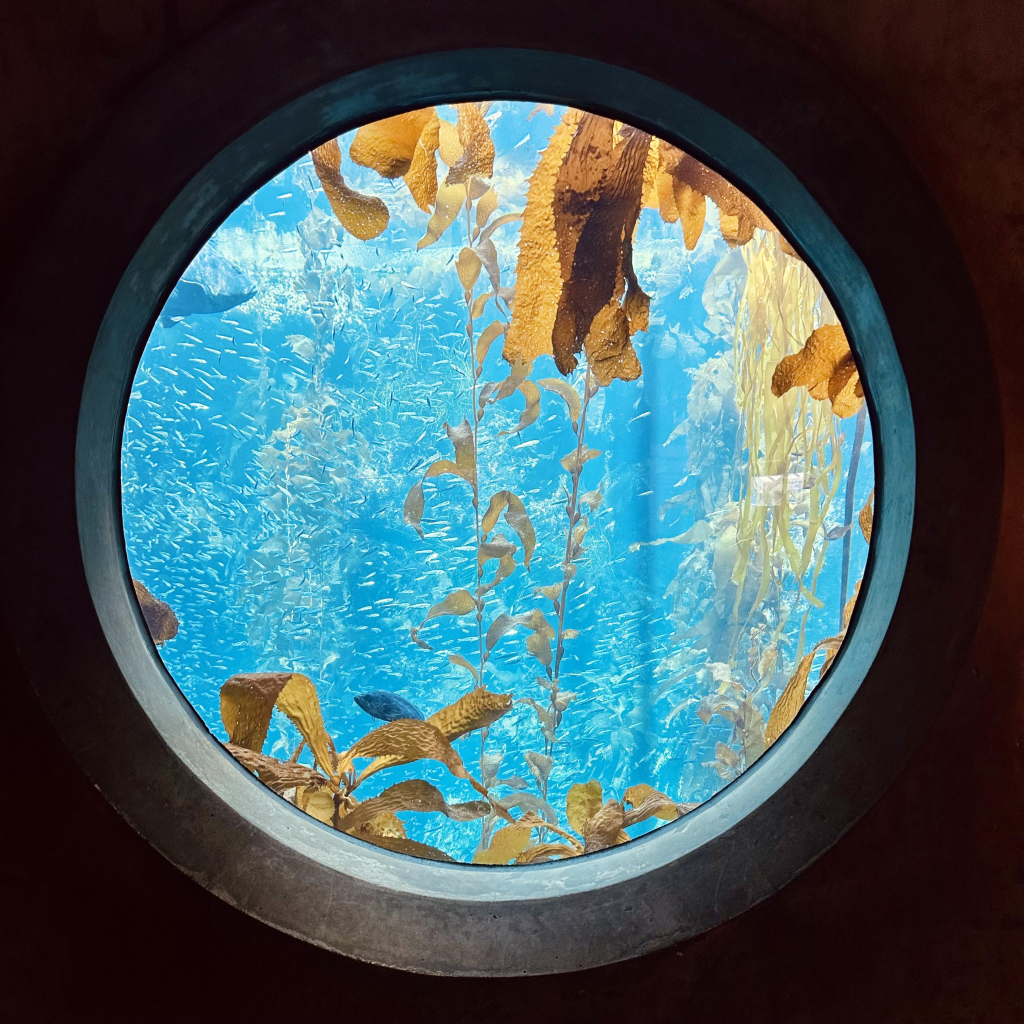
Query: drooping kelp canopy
576, 286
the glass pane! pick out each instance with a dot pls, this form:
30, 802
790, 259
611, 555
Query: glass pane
497, 483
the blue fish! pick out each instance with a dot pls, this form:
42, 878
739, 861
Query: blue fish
211, 284
387, 706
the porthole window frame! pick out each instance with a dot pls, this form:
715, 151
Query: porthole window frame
178, 786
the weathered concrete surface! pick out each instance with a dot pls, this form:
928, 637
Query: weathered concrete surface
917, 915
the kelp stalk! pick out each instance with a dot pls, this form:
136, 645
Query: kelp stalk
573, 514
851, 485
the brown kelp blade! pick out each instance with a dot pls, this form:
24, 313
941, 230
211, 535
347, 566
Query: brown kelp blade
247, 701
409, 740
388, 146
278, 775
411, 795
365, 217
160, 619
475, 710
582, 802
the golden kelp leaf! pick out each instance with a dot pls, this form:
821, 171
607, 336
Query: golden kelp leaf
487, 336
787, 247
448, 203
410, 740
541, 108
385, 825
848, 610
636, 796
412, 510
567, 392
468, 268
454, 604
540, 647
597, 202
552, 593
458, 659
544, 715
790, 701
576, 460
649, 198
278, 775
867, 516
610, 353
363, 216
497, 547
506, 566
735, 230
692, 211
317, 803
592, 499
421, 178
814, 363
604, 827
505, 218
477, 159
299, 701
538, 271
531, 410
388, 146
461, 438
458, 602
731, 202
582, 802
486, 205
506, 844
160, 619
539, 765
409, 847
543, 852
411, 795
844, 388
476, 710
488, 254
246, 704
516, 516
479, 303
504, 624
664, 185
449, 147
498, 391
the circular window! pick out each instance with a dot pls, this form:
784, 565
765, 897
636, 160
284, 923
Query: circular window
497, 483
371, 351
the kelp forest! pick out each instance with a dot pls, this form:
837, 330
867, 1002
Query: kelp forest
497, 483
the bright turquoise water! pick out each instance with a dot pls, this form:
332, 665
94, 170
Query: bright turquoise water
268, 451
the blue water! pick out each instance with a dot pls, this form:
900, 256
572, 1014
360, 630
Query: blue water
268, 450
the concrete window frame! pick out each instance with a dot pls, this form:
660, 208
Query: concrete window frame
152, 756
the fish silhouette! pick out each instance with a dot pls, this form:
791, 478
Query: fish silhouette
211, 284
387, 706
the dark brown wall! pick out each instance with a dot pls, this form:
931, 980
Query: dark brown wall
917, 915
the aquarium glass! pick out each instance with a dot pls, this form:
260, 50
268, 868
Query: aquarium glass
497, 483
